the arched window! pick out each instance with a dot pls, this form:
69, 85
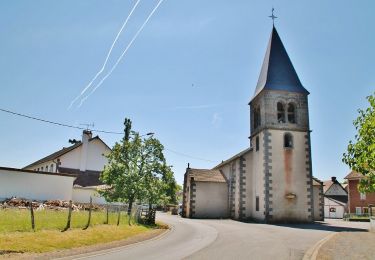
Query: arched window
41, 169
280, 112
46, 168
51, 168
291, 113
257, 118
288, 140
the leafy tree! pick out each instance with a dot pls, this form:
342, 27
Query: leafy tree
360, 155
136, 170
171, 186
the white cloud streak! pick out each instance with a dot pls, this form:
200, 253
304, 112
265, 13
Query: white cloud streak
122, 55
108, 55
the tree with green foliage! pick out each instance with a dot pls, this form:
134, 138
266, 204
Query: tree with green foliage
136, 170
360, 155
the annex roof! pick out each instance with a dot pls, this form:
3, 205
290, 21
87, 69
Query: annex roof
233, 158
277, 71
354, 175
206, 175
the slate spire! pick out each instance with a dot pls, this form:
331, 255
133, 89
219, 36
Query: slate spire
277, 71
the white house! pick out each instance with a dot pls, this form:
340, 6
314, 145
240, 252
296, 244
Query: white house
84, 159
335, 199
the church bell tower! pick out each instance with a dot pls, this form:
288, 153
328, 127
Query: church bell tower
280, 134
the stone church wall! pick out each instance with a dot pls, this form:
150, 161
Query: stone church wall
290, 192
257, 176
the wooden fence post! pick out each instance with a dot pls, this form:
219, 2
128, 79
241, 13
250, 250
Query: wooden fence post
89, 220
69, 217
118, 214
106, 209
32, 215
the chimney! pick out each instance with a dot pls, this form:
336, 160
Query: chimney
86, 135
333, 179
188, 166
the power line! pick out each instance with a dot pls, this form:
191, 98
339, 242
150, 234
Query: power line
189, 156
56, 123
93, 130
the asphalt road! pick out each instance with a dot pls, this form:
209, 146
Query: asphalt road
228, 239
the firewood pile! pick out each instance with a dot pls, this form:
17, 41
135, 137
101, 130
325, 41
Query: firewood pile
49, 204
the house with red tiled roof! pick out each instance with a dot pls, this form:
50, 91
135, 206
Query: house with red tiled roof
358, 202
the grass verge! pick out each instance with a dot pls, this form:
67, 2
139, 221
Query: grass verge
16, 235
52, 240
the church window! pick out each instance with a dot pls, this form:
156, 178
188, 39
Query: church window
291, 113
257, 203
280, 112
288, 140
257, 143
257, 118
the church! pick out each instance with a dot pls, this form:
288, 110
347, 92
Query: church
271, 181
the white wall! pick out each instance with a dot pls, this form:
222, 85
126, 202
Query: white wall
211, 200
317, 196
82, 195
95, 158
340, 209
71, 159
34, 186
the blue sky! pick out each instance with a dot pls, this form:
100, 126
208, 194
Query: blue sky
188, 77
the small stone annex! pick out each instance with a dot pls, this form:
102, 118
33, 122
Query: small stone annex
271, 181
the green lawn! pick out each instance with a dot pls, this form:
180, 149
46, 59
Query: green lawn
16, 234
19, 220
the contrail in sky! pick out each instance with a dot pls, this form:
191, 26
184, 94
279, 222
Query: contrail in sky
122, 55
108, 54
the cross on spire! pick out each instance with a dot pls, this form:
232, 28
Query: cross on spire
273, 17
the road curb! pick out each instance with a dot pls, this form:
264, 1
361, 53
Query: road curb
312, 252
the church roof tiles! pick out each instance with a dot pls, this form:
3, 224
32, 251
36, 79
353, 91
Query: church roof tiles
205, 175
277, 71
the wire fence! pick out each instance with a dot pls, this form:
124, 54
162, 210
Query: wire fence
35, 216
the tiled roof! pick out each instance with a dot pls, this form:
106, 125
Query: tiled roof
354, 175
233, 158
316, 181
84, 179
55, 155
327, 185
277, 71
206, 175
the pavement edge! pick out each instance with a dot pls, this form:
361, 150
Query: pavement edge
312, 252
114, 249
